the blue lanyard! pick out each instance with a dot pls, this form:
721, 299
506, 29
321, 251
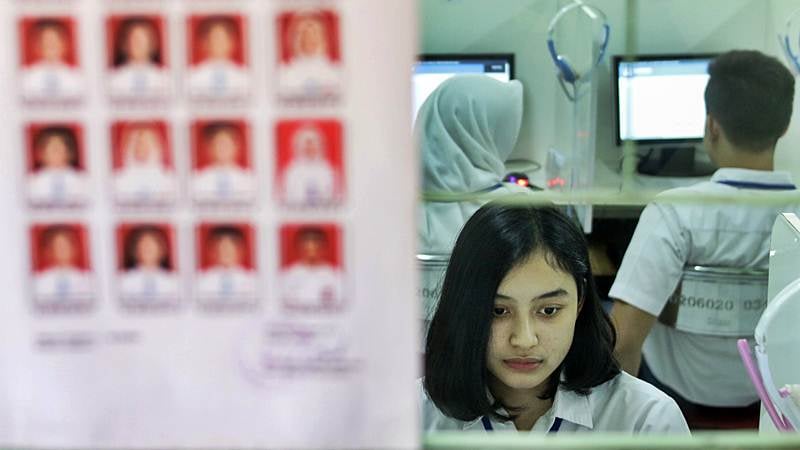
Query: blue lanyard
490, 188
759, 186
487, 424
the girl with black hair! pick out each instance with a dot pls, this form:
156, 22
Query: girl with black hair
58, 177
138, 66
148, 275
520, 341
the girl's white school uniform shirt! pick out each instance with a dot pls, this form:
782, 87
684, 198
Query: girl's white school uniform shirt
58, 186
623, 404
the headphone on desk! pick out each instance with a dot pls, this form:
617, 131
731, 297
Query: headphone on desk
785, 43
566, 73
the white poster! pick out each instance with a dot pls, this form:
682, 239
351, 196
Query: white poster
208, 235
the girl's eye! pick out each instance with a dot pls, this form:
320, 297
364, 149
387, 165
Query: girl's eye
499, 311
549, 311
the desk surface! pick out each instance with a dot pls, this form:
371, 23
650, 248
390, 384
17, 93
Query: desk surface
613, 200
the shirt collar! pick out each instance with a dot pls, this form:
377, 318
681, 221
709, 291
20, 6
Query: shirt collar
573, 407
568, 405
751, 176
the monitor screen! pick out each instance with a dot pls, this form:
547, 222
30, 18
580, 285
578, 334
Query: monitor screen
659, 98
431, 70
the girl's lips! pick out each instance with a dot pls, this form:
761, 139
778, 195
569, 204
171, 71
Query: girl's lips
523, 364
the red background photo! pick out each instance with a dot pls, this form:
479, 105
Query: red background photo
289, 254
33, 129
200, 148
113, 27
41, 261
203, 245
124, 229
328, 17
332, 135
120, 131
27, 38
195, 43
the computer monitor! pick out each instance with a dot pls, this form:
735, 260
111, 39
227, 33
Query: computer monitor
659, 98
431, 70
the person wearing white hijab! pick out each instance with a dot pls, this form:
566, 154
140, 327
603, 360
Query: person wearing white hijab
466, 130
310, 72
143, 177
309, 178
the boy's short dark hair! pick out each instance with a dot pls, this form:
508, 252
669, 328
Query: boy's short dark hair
51, 232
751, 95
50, 24
225, 231
214, 128
226, 22
126, 26
132, 241
497, 238
311, 233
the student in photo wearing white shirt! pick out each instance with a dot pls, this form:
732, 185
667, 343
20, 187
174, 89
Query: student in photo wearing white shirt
520, 342
312, 282
218, 74
148, 275
51, 76
137, 67
310, 72
223, 179
63, 283
143, 178
57, 179
749, 99
227, 280
309, 179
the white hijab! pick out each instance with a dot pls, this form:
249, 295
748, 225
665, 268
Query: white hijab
466, 129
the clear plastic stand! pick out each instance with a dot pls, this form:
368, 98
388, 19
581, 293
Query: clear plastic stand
581, 154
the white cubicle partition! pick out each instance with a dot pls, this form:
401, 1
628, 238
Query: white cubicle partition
777, 330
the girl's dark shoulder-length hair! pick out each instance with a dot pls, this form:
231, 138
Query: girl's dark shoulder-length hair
121, 57
67, 137
132, 240
497, 238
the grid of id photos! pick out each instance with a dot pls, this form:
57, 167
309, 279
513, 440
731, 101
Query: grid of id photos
183, 155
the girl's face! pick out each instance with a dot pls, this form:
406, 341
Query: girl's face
533, 324
140, 43
224, 149
310, 147
149, 251
228, 252
219, 43
312, 39
52, 45
63, 250
146, 146
54, 153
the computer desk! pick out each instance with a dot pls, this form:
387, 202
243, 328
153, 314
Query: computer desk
627, 200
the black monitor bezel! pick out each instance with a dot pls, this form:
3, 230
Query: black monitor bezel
615, 93
470, 56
